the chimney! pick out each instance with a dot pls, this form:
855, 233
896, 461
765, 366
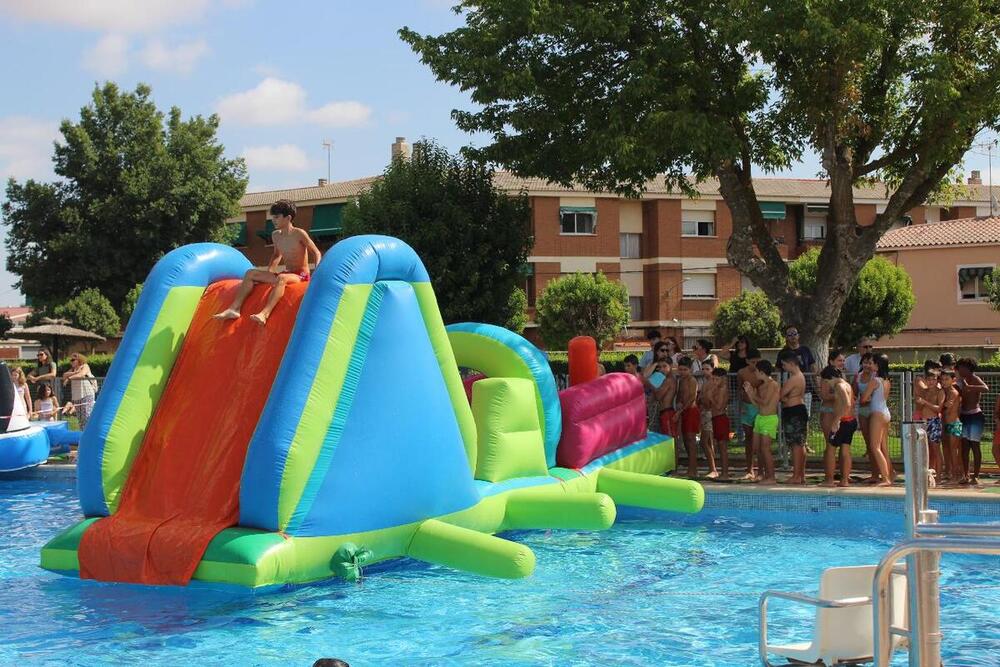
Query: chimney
976, 178
323, 182
401, 149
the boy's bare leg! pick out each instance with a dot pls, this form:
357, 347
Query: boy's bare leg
692, 451
277, 291
246, 287
845, 465
829, 465
707, 445
748, 447
798, 465
724, 455
766, 460
966, 449
977, 462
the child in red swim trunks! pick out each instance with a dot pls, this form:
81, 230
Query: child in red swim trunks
688, 417
291, 245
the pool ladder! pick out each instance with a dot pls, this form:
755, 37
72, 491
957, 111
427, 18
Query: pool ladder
926, 540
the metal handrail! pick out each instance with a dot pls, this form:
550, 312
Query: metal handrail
957, 530
804, 599
881, 607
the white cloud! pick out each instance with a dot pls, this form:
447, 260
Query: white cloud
109, 57
265, 70
340, 114
179, 59
277, 102
109, 15
26, 147
286, 157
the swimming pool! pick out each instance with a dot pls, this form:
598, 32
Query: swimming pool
655, 590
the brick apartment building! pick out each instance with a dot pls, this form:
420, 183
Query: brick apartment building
667, 249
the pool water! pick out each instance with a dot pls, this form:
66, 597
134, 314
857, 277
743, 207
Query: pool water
655, 590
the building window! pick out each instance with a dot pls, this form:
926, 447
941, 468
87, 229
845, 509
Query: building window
578, 220
971, 282
697, 228
630, 245
635, 308
813, 229
699, 286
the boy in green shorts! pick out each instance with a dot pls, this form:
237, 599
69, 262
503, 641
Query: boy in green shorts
748, 411
765, 427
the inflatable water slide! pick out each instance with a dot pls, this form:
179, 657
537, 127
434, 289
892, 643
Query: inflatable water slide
340, 434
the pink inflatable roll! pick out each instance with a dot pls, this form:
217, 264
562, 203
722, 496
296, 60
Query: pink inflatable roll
600, 417
582, 360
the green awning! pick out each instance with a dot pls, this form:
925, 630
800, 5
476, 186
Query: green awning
328, 220
773, 210
578, 209
527, 269
973, 272
240, 239
267, 231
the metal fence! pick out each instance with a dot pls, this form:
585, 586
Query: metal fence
900, 401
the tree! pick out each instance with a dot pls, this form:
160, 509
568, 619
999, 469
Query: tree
616, 94
129, 302
581, 304
472, 237
91, 311
517, 306
134, 184
879, 304
750, 314
993, 289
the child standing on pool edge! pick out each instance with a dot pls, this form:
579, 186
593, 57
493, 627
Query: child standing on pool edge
291, 245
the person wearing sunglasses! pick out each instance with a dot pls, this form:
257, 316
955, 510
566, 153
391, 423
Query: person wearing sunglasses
44, 374
852, 364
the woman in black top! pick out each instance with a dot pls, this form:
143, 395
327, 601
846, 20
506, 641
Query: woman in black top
738, 354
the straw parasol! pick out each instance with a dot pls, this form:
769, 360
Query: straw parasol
53, 332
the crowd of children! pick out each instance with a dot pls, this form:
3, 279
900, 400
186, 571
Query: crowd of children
689, 399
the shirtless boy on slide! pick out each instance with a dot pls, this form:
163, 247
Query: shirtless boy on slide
292, 245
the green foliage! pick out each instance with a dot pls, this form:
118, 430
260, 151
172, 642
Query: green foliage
993, 289
750, 314
6, 324
878, 305
91, 311
134, 184
128, 303
517, 306
472, 237
581, 304
99, 364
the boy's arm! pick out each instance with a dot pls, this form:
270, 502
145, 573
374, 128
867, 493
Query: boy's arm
311, 248
690, 394
975, 385
935, 405
275, 257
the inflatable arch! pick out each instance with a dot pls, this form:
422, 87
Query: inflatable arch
338, 434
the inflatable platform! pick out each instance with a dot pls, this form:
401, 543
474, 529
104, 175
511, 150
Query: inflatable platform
340, 434
23, 443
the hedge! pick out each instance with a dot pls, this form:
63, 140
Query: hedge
99, 364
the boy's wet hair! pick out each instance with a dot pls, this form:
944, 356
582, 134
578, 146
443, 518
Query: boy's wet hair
684, 361
764, 366
788, 355
753, 353
931, 365
330, 662
831, 372
720, 372
967, 362
631, 359
947, 359
283, 207
948, 373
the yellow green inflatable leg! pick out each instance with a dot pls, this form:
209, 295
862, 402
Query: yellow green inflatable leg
530, 509
471, 551
659, 493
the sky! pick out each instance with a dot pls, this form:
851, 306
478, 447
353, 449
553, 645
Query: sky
284, 78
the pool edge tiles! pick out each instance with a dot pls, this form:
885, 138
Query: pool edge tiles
817, 500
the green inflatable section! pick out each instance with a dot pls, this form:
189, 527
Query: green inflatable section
510, 439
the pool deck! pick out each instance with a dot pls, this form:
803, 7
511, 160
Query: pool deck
987, 492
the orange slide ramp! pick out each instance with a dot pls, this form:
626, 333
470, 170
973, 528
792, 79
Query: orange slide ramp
184, 485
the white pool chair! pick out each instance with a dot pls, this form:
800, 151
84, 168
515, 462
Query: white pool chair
843, 628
